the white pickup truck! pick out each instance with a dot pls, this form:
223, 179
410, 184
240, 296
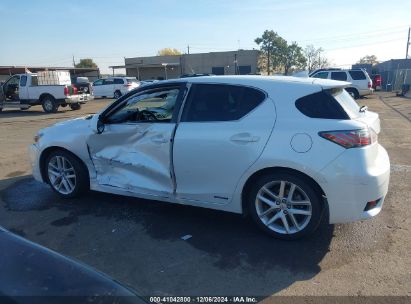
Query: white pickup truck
51, 89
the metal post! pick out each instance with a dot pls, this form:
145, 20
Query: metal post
406, 56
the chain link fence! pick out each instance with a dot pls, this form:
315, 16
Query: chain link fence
395, 80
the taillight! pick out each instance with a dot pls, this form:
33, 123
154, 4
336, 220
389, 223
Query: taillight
66, 91
369, 84
75, 90
351, 138
128, 85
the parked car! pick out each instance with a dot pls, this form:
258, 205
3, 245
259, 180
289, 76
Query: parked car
31, 273
82, 84
114, 87
284, 150
361, 83
376, 82
51, 90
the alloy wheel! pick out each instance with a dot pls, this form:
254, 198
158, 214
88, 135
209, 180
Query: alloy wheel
283, 207
61, 174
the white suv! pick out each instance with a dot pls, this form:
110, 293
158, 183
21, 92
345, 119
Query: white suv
114, 87
361, 83
284, 150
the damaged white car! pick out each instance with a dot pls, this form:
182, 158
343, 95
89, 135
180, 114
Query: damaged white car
284, 150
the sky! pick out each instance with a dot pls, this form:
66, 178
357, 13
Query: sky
51, 32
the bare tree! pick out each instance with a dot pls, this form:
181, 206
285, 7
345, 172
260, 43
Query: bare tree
315, 59
368, 59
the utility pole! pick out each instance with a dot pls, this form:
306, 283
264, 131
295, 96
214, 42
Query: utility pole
268, 61
188, 49
406, 56
235, 64
74, 66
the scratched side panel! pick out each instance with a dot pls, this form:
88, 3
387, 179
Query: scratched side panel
134, 157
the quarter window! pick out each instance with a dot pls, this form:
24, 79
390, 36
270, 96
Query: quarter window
357, 75
341, 76
321, 105
213, 102
118, 81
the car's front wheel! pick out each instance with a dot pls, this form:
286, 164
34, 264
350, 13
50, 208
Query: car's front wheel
285, 205
66, 174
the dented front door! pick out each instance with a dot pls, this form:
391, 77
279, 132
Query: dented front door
134, 157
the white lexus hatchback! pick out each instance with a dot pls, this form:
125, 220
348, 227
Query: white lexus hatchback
283, 150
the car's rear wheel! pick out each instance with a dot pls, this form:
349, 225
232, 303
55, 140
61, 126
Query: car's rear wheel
75, 106
353, 92
66, 174
285, 205
49, 104
117, 94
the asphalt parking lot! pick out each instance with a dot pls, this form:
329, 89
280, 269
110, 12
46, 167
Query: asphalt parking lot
141, 243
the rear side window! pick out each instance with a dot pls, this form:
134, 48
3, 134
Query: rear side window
342, 76
118, 81
357, 75
213, 102
321, 105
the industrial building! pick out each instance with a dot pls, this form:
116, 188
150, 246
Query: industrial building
241, 62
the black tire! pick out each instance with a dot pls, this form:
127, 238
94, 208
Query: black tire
82, 181
75, 106
353, 92
49, 104
117, 94
303, 184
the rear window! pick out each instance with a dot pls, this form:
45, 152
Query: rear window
347, 102
341, 76
321, 105
357, 75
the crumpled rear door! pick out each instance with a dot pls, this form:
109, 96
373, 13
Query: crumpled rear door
134, 157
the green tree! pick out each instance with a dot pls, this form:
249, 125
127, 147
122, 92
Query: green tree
293, 58
368, 59
168, 51
273, 48
86, 63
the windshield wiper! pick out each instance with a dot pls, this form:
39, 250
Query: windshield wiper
363, 108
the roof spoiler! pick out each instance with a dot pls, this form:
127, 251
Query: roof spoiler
331, 84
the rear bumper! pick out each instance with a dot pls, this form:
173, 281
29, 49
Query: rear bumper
83, 98
350, 183
366, 92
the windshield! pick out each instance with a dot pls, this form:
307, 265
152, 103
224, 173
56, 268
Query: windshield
347, 102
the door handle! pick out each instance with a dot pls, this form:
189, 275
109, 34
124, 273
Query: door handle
159, 139
244, 138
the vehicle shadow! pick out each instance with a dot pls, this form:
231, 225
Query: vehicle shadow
140, 243
31, 112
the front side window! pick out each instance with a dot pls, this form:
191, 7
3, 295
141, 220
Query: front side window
23, 81
107, 81
156, 105
215, 102
98, 82
322, 75
341, 76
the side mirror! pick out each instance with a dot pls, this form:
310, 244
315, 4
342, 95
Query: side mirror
97, 124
